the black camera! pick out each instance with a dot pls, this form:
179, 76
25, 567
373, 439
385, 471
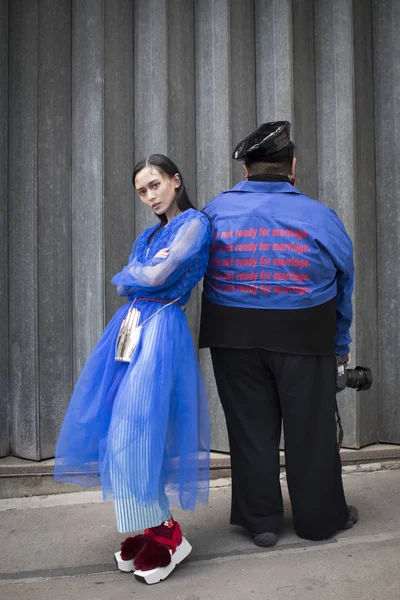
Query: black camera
359, 378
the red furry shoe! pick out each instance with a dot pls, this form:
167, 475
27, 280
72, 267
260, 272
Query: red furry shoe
164, 549
129, 549
152, 555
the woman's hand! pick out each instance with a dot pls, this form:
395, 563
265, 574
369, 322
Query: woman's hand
163, 253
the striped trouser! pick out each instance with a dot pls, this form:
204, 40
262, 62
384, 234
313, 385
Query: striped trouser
134, 516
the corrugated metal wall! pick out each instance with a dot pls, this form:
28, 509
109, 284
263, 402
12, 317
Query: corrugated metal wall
87, 87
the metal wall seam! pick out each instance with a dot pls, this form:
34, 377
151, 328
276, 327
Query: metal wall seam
274, 60
242, 77
87, 176
23, 205
386, 52
365, 236
213, 144
4, 267
54, 221
119, 209
150, 89
182, 109
304, 95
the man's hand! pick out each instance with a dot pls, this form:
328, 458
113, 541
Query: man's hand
163, 253
343, 359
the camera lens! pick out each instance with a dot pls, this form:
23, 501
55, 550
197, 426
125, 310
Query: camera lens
359, 378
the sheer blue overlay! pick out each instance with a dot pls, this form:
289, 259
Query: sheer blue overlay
139, 426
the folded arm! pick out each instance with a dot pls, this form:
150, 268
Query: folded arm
160, 274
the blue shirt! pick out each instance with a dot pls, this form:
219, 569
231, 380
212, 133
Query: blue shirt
275, 248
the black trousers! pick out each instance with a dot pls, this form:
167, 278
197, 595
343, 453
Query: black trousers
258, 389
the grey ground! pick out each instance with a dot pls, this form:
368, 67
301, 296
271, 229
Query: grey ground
61, 547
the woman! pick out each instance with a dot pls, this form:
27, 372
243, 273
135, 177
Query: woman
142, 426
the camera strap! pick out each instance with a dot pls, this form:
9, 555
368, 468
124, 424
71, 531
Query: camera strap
339, 424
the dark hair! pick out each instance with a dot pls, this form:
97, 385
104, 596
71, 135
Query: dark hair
279, 163
169, 169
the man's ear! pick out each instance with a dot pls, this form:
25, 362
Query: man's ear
293, 171
246, 170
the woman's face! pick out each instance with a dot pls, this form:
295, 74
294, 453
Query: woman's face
158, 191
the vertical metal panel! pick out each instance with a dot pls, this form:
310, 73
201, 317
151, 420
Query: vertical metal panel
54, 220
335, 108
336, 142
87, 176
151, 89
119, 217
182, 110
386, 20
213, 119
304, 120
243, 76
181, 91
4, 384
23, 125
342, 164
365, 219
274, 51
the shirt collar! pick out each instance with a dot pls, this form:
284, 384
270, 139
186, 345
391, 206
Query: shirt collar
264, 187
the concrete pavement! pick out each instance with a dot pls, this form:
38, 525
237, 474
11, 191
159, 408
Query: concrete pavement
62, 547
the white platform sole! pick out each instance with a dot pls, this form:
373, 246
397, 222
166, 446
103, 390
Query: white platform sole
124, 565
157, 575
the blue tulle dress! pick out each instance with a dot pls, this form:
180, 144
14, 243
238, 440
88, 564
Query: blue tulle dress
142, 427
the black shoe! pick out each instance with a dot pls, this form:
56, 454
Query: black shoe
265, 539
353, 517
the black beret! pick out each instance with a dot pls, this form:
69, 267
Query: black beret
264, 141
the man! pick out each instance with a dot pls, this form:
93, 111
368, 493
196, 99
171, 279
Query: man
276, 309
